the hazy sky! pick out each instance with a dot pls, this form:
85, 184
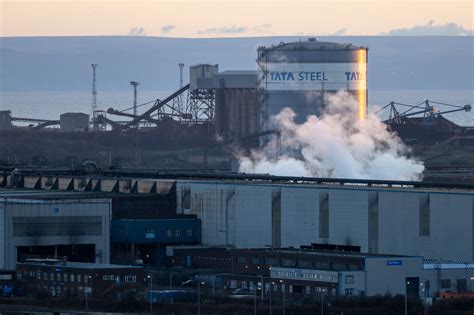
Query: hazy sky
193, 18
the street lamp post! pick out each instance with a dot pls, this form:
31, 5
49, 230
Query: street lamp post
87, 294
322, 301
271, 289
199, 297
151, 293
284, 294
406, 298
255, 299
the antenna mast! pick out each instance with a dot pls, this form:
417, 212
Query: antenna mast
94, 99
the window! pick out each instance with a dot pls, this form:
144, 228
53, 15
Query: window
445, 284
241, 259
58, 290
58, 276
18, 275
255, 260
233, 284
108, 277
150, 230
72, 277
130, 278
189, 232
321, 264
177, 232
51, 276
305, 264
461, 285
338, 266
288, 262
169, 232
86, 279
271, 261
349, 279
78, 278
38, 275
350, 292
65, 277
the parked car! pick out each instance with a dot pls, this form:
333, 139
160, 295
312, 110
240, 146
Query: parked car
189, 283
241, 292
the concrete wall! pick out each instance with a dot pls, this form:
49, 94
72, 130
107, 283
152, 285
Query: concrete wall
92, 216
383, 277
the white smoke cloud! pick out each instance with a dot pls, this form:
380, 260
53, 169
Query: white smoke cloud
336, 144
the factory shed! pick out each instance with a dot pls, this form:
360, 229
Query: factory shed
53, 224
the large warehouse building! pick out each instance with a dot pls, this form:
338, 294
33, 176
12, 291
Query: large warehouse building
53, 224
430, 222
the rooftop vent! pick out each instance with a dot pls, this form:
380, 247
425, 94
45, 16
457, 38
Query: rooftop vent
312, 39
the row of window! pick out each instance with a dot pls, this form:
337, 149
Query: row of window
177, 232
59, 290
304, 264
53, 276
304, 275
460, 284
65, 277
276, 287
213, 258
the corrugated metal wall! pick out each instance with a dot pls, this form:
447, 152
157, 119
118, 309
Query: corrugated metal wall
378, 220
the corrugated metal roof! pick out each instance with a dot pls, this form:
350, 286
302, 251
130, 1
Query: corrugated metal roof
72, 264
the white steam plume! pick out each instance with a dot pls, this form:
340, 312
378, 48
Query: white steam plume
336, 144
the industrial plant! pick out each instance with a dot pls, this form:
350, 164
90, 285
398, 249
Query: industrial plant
148, 202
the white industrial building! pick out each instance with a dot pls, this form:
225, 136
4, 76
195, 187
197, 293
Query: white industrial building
49, 224
428, 222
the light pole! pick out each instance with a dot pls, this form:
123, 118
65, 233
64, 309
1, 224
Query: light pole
151, 293
199, 296
322, 301
255, 299
86, 291
271, 288
406, 298
284, 294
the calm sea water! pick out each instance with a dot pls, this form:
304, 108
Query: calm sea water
50, 104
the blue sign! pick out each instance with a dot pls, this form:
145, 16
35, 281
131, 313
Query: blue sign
394, 262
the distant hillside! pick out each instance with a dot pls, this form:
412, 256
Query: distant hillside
63, 63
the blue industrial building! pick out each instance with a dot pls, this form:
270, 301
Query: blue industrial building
146, 239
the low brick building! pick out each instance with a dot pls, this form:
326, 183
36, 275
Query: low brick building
61, 278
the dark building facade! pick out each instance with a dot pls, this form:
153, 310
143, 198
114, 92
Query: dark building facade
61, 278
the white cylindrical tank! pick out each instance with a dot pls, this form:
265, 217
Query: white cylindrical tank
300, 74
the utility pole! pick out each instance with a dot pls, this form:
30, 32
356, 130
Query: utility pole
135, 84
94, 99
181, 105
136, 145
